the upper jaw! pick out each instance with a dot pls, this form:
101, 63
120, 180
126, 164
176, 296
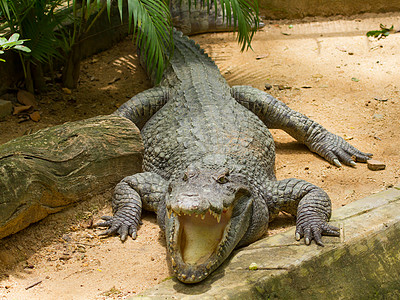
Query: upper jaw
194, 267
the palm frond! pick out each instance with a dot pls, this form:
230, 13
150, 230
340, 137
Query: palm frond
35, 20
151, 21
243, 16
43, 42
4, 8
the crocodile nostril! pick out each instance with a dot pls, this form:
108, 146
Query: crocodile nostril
191, 194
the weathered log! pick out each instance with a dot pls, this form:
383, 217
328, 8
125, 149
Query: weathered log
44, 172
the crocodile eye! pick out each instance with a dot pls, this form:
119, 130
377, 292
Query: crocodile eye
222, 179
222, 176
185, 177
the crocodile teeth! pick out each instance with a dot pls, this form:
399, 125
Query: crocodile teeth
218, 218
169, 213
215, 215
203, 216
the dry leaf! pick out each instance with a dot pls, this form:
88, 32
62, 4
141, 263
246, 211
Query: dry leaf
26, 98
67, 91
20, 109
35, 116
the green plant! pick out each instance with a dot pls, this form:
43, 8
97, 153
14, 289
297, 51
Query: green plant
384, 32
12, 43
150, 21
35, 20
152, 25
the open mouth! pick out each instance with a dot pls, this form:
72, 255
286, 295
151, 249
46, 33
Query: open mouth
200, 235
198, 244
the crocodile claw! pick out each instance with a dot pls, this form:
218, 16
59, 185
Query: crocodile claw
313, 228
119, 225
336, 150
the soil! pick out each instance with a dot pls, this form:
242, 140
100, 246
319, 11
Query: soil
327, 69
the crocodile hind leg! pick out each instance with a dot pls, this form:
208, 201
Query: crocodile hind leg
275, 114
309, 203
131, 193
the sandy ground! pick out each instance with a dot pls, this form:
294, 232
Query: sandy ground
326, 69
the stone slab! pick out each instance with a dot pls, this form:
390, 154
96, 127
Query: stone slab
363, 263
5, 108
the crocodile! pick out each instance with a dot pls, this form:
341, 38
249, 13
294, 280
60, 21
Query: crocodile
208, 166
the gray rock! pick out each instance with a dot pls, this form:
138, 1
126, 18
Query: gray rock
5, 108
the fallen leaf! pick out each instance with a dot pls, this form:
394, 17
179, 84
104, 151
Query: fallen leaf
20, 109
115, 79
35, 116
67, 91
317, 76
355, 79
26, 98
262, 56
253, 266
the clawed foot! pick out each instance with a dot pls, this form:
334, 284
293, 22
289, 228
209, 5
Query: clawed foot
313, 229
121, 225
336, 150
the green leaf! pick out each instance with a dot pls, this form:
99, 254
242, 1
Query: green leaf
22, 48
384, 32
13, 38
109, 9
4, 8
151, 22
120, 7
244, 14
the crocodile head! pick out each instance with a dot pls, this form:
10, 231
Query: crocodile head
208, 212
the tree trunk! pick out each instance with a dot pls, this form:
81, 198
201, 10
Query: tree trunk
44, 172
38, 77
71, 71
29, 85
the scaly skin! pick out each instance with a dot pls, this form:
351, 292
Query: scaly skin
209, 165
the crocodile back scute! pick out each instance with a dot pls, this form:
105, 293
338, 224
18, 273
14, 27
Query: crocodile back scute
202, 122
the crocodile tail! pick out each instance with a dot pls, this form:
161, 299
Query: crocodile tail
191, 44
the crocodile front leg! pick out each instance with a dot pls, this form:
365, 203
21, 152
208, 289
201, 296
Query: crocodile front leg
276, 114
140, 108
309, 203
131, 193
